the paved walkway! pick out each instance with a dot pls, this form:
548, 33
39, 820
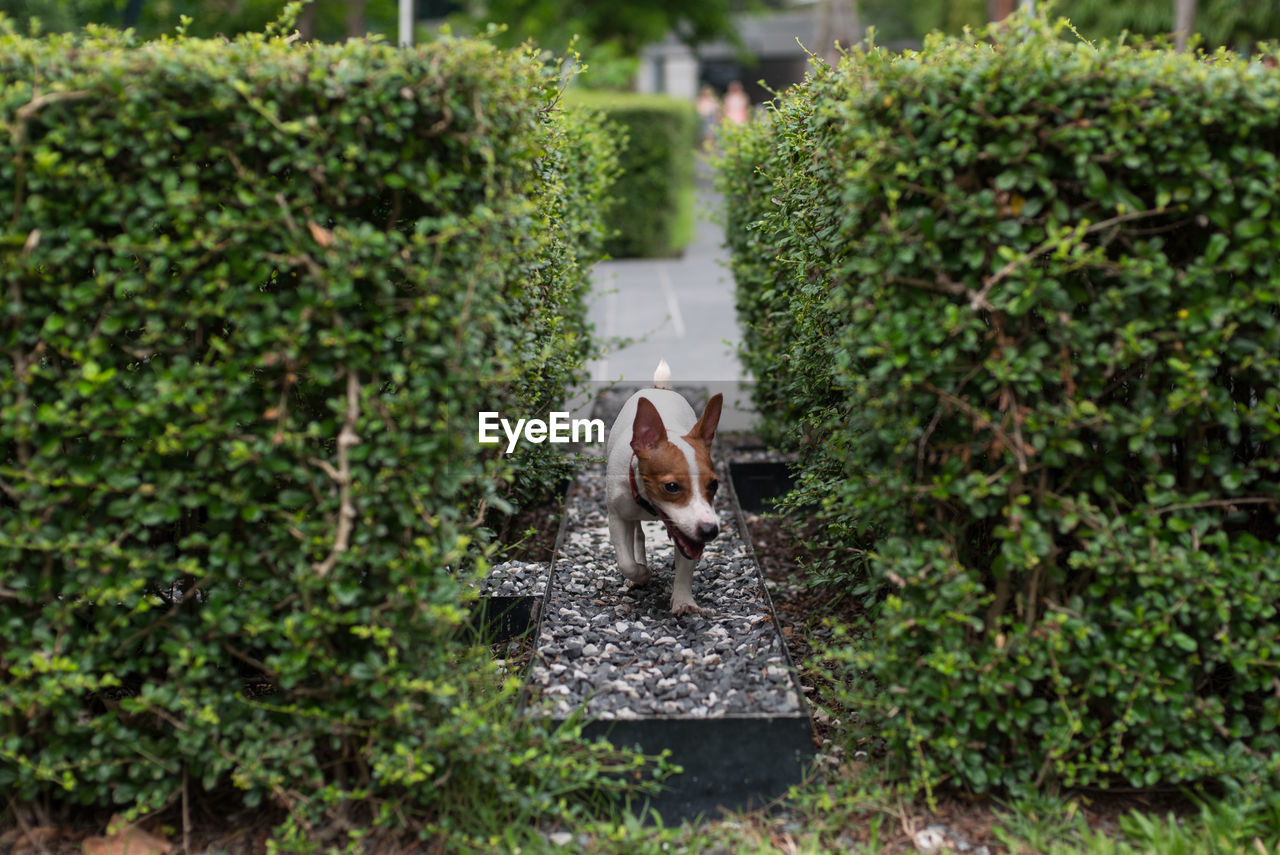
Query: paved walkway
677, 309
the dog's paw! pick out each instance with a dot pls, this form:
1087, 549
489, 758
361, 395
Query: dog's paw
686, 607
637, 575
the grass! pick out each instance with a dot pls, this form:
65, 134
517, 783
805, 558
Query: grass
864, 815
855, 808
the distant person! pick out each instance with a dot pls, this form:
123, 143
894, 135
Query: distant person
737, 106
709, 113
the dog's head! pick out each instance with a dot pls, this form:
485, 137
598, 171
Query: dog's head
678, 477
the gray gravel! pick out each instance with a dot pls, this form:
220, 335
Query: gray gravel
618, 652
516, 579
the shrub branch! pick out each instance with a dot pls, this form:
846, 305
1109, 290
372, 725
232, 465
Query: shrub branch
347, 437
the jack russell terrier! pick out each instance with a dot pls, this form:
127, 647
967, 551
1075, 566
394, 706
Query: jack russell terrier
659, 468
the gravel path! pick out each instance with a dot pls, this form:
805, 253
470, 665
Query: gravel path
618, 652
516, 579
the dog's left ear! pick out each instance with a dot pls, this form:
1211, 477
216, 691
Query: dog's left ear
647, 431
705, 429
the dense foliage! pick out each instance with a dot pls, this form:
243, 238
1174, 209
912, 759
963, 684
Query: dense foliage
254, 295
653, 196
1017, 298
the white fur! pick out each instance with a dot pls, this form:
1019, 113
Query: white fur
662, 375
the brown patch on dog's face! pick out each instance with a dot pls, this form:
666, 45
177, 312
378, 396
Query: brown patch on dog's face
665, 471
664, 466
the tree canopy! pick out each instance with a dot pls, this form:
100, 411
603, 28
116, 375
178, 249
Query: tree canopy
896, 21
627, 24
328, 20
1236, 24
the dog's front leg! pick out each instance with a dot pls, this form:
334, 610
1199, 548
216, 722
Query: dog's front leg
623, 533
682, 590
638, 547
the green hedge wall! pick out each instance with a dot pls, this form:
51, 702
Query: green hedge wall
652, 212
1017, 298
777, 301
254, 295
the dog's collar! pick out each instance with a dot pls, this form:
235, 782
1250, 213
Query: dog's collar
640, 500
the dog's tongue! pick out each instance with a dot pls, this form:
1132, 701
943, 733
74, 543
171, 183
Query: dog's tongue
688, 548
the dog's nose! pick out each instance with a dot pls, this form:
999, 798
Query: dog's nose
707, 531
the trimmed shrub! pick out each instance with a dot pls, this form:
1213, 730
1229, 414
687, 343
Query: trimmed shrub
255, 294
652, 214
1025, 291
780, 287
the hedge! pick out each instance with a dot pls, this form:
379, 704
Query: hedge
1022, 300
652, 215
255, 294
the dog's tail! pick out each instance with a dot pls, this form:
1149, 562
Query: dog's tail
662, 375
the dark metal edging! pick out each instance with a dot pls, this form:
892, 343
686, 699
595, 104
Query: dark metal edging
501, 619
729, 763
745, 534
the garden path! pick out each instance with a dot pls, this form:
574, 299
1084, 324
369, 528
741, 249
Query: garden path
679, 309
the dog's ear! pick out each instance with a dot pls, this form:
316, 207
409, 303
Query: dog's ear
705, 429
647, 431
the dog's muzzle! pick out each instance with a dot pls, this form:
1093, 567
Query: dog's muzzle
689, 547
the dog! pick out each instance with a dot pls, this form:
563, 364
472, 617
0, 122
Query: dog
659, 468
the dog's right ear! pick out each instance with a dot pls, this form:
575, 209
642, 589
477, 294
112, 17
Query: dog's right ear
705, 429
647, 431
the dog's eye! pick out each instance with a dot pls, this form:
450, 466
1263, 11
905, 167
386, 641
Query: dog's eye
671, 487
712, 486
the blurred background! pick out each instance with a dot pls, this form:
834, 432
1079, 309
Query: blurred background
670, 46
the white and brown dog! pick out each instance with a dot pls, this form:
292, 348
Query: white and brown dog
660, 469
